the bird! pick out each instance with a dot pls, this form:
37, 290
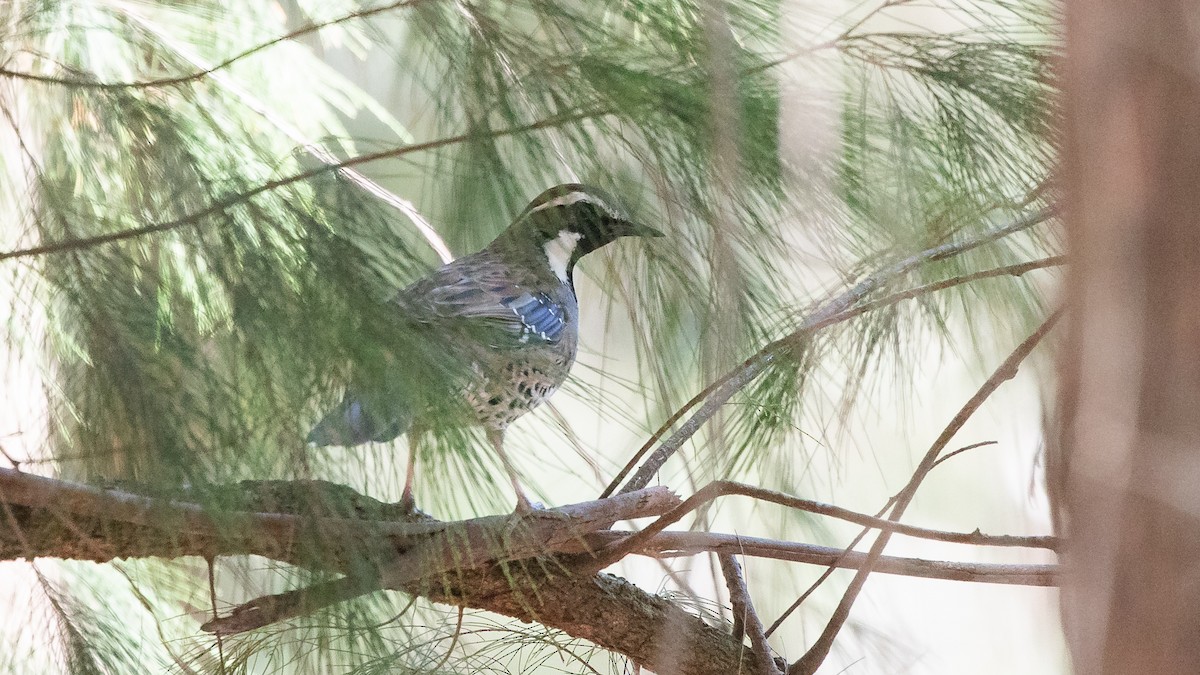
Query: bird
507, 316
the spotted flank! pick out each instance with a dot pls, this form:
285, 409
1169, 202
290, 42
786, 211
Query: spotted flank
540, 316
513, 389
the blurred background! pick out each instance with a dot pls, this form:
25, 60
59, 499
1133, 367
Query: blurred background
186, 283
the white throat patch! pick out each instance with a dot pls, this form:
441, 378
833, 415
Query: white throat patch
559, 251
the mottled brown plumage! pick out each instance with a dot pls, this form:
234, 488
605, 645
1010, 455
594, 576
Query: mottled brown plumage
509, 312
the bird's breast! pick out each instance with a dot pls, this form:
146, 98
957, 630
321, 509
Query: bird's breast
512, 380
510, 386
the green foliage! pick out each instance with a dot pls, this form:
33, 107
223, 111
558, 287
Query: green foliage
206, 286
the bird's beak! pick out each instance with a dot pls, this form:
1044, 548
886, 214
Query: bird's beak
631, 229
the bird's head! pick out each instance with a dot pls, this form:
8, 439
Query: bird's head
570, 221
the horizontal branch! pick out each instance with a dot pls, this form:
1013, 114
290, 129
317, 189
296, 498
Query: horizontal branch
481, 563
674, 544
84, 83
638, 541
319, 524
269, 518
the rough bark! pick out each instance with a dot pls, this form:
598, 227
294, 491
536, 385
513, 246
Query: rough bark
321, 525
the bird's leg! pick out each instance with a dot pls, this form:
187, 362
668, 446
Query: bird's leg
496, 436
406, 497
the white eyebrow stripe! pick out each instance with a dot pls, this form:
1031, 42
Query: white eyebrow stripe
574, 198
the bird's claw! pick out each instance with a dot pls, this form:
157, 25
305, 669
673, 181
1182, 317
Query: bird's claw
407, 504
526, 508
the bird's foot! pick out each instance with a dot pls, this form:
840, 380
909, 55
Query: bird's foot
407, 502
526, 508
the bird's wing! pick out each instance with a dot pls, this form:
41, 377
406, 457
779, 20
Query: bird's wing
479, 296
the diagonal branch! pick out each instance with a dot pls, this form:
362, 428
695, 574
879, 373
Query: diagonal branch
816, 654
1014, 270
745, 616
848, 549
469, 544
246, 195
719, 393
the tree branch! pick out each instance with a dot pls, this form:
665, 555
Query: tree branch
468, 544
83, 83
306, 523
745, 616
839, 309
674, 544
639, 540
218, 207
812, 659
486, 563
290, 604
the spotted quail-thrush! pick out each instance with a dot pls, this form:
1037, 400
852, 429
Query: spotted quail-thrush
510, 314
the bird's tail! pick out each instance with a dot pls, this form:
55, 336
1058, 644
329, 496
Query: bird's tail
353, 422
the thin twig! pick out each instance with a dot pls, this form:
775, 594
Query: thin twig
675, 544
16, 465
812, 659
743, 610
81, 83
848, 550
720, 488
966, 448
193, 218
1007, 270
830, 313
975, 538
453, 641
1014, 270
248, 99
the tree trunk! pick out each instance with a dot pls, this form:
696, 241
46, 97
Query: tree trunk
1124, 472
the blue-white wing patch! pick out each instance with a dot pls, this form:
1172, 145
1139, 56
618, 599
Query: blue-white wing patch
539, 314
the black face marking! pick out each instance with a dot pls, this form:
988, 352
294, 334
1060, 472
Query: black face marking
591, 212
567, 222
